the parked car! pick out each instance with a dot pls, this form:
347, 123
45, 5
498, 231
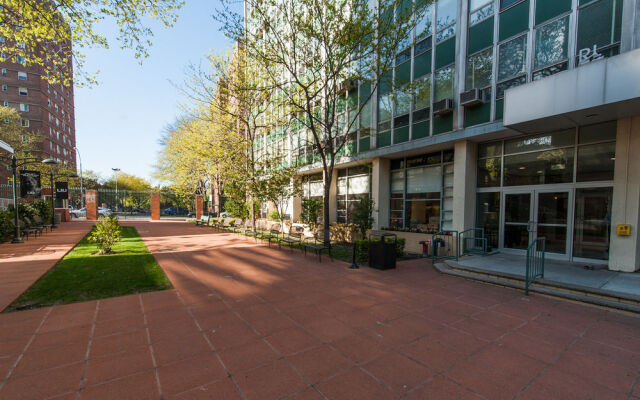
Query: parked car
105, 212
78, 213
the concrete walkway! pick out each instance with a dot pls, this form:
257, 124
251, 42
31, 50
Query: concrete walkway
24, 263
571, 274
249, 322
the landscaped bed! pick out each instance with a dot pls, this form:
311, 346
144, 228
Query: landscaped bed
84, 275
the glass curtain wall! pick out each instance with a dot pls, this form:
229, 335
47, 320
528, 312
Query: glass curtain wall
313, 188
353, 184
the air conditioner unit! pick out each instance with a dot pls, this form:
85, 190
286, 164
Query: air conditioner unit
443, 107
473, 97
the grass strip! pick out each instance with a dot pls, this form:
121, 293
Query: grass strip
83, 275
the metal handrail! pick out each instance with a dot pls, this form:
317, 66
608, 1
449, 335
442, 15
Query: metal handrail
435, 240
535, 262
476, 239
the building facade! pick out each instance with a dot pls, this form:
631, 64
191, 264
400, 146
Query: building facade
517, 116
45, 109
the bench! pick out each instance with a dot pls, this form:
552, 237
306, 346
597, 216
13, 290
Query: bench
274, 233
318, 245
203, 221
39, 228
23, 229
294, 236
39, 222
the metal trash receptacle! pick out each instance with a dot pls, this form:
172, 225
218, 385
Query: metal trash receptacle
382, 252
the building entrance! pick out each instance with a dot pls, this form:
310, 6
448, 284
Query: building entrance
529, 214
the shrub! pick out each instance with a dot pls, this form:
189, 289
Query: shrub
363, 248
106, 233
232, 221
273, 215
362, 216
311, 212
6, 227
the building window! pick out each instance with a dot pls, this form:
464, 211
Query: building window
4, 88
489, 164
424, 27
24, 123
22, 76
480, 10
599, 26
443, 88
4, 72
6, 103
422, 99
21, 60
512, 56
353, 185
446, 11
24, 107
23, 91
508, 3
479, 70
385, 109
551, 43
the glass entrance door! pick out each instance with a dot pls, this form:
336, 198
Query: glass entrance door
537, 213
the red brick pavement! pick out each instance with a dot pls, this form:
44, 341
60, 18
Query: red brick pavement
23, 264
249, 322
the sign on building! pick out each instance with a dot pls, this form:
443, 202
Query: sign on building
62, 190
30, 185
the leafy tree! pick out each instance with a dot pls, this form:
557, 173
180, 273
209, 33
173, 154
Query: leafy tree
323, 60
48, 28
362, 216
23, 141
311, 212
128, 182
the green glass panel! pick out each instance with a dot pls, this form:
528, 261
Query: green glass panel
499, 108
446, 52
514, 20
420, 130
365, 144
401, 135
442, 123
547, 9
477, 115
384, 139
480, 36
422, 64
365, 91
385, 83
595, 24
403, 73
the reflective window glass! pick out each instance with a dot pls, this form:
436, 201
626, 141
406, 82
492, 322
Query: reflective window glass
539, 142
489, 172
551, 43
597, 133
544, 167
384, 107
481, 14
512, 58
424, 27
596, 162
403, 100
422, 89
445, 13
443, 88
490, 149
479, 70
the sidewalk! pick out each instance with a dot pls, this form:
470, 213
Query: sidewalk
250, 322
23, 264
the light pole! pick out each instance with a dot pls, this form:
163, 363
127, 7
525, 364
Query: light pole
116, 170
81, 187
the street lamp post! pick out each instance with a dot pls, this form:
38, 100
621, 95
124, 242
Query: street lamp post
116, 170
81, 187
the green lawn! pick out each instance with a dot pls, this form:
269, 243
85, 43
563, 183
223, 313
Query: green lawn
83, 275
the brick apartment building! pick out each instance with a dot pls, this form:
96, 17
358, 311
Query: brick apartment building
45, 108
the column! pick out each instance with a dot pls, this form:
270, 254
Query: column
91, 204
624, 251
155, 206
464, 185
199, 206
333, 202
296, 208
380, 191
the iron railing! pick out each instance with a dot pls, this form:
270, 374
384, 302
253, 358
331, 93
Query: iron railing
472, 241
535, 262
444, 245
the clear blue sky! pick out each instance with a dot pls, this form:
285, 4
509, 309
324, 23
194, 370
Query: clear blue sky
119, 121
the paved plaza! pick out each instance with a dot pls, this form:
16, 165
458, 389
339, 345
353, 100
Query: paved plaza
250, 322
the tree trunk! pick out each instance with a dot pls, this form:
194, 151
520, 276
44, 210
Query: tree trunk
325, 212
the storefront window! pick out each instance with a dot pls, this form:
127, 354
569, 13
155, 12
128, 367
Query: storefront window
489, 170
592, 223
538, 168
479, 70
551, 43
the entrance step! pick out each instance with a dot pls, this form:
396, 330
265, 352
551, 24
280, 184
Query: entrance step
594, 296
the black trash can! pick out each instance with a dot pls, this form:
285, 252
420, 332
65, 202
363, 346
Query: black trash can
382, 252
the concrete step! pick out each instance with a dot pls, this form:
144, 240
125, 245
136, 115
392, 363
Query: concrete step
601, 298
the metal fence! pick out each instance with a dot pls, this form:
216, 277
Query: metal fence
535, 262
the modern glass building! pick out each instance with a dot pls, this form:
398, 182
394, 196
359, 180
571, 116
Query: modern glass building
518, 116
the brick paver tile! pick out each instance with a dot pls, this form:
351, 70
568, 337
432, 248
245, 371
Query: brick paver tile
442, 389
481, 379
36, 361
78, 335
142, 386
359, 348
118, 365
230, 335
432, 354
44, 384
223, 389
320, 363
248, 356
554, 384
355, 384
399, 372
291, 341
328, 329
597, 370
272, 381
126, 324
190, 373
179, 348
118, 343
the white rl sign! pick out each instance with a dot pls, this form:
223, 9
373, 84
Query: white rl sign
587, 55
